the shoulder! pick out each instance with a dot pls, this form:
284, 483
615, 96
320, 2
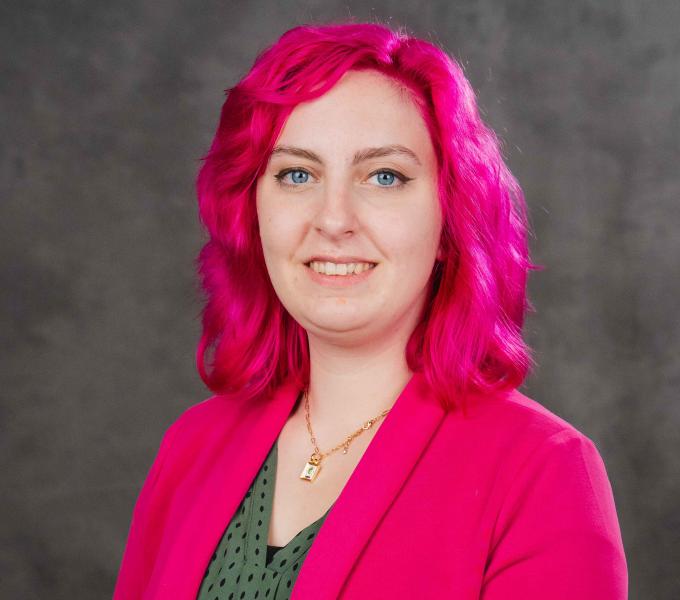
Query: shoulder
509, 433
190, 432
555, 431
527, 451
553, 503
203, 417
515, 415
203, 412
557, 444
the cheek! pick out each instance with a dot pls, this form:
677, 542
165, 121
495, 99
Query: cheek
279, 233
413, 234
272, 222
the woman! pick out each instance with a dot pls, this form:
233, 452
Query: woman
366, 278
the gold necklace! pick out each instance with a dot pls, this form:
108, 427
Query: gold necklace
313, 466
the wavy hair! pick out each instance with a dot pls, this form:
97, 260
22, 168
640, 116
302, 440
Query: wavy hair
469, 337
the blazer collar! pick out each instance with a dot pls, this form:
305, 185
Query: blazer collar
348, 526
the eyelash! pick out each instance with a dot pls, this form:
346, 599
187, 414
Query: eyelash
404, 180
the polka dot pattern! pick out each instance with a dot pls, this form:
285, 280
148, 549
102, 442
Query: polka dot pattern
243, 566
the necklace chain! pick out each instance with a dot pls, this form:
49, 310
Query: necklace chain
318, 456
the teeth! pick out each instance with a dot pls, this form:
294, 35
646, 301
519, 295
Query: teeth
329, 268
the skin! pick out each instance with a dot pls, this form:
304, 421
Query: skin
357, 335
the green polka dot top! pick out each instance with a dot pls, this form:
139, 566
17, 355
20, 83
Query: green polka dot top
243, 566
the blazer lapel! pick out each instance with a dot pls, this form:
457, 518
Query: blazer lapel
374, 483
229, 459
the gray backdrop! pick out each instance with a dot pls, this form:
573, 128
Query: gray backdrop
106, 108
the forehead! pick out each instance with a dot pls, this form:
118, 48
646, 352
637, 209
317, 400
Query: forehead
363, 108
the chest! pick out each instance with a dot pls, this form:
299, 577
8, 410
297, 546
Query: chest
297, 503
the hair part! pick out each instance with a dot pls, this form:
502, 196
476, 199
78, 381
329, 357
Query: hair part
469, 337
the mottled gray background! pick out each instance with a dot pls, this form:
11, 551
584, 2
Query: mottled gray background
106, 109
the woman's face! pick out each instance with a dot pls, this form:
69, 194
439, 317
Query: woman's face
323, 193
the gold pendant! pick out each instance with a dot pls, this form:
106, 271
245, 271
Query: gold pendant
312, 468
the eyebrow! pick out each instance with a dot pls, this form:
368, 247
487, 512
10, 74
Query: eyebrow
359, 156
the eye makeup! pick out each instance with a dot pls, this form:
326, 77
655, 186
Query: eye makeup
398, 176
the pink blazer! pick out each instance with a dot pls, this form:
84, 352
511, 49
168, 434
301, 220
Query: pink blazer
508, 502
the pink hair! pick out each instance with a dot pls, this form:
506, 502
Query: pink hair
469, 338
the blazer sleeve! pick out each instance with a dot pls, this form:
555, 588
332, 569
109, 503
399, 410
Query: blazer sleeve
557, 535
145, 529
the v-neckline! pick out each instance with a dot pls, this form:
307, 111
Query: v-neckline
303, 539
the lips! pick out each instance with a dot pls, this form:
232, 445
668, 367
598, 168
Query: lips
339, 259
340, 281
348, 269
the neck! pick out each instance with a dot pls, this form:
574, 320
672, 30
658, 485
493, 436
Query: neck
344, 394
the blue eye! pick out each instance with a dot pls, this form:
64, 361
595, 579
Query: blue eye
295, 173
386, 178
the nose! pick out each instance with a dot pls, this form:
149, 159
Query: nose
335, 214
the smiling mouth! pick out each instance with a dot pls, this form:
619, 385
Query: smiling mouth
347, 274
